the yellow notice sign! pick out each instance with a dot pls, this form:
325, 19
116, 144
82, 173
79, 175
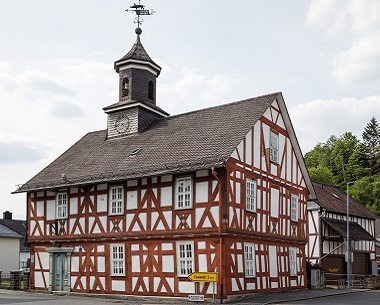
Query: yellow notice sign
204, 276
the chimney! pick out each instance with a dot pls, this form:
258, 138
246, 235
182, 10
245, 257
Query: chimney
7, 215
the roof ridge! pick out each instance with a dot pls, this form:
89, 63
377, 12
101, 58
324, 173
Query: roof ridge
210, 134
223, 105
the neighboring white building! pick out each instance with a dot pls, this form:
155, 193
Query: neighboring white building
328, 233
10, 249
19, 227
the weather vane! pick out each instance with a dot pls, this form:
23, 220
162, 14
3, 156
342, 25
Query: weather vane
139, 10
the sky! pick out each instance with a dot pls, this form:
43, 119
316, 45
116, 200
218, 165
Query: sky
56, 68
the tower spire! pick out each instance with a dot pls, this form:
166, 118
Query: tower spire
136, 108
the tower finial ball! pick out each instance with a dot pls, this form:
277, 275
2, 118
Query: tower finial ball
138, 31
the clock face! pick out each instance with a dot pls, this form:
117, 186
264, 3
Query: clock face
122, 124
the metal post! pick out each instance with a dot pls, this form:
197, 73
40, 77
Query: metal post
348, 238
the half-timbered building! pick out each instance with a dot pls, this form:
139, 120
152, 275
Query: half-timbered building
327, 245
136, 208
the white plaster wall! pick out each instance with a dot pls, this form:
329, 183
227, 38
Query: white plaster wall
201, 194
10, 253
275, 197
40, 208
166, 196
118, 285
256, 140
131, 200
39, 279
273, 261
186, 287
102, 203
50, 210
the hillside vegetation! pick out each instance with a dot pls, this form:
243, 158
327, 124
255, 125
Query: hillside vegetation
347, 159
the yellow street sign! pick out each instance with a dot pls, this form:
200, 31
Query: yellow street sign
203, 276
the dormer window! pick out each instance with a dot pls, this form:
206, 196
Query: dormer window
150, 90
125, 87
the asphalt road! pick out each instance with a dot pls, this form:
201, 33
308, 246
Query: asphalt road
361, 298
44, 299
26, 298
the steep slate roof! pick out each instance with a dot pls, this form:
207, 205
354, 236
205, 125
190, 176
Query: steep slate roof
134, 102
356, 231
137, 53
8, 233
333, 199
18, 226
190, 141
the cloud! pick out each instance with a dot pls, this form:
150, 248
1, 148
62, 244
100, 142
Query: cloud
315, 121
64, 110
45, 83
360, 62
195, 90
17, 152
328, 14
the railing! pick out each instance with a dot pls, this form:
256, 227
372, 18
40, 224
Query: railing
360, 282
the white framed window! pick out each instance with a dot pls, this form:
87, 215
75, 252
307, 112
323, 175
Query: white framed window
116, 200
117, 259
249, 260
61, 206
250, 195
294, 207
292, 261
185, 258
274, 147
183, 193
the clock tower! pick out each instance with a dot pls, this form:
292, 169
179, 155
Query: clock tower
136, 108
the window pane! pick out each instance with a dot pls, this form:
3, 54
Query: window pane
251, 195
185, 258
117, 200
274, 147
61, 205
249, 258
183, 193
117, 260
294, 208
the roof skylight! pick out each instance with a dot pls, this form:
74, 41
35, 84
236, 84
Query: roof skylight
336, 196
135, 152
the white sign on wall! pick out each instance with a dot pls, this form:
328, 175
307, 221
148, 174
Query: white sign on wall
196, 297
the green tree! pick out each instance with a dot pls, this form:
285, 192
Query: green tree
322, 174
367, 191
341, 152
342, 159
357, 165
320, 155
371, 139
